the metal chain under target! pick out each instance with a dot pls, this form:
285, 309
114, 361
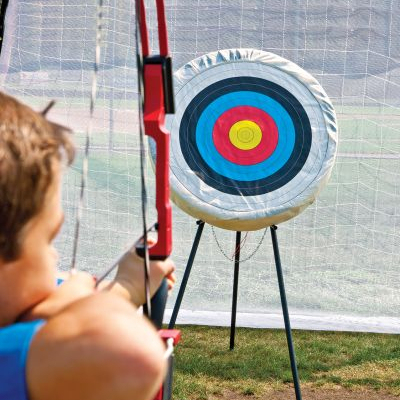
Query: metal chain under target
232, 258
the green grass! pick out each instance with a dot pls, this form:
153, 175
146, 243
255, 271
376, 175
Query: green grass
205, 367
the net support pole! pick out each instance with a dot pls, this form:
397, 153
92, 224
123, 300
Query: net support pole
3, 9
186, 275
235, 290
285, 311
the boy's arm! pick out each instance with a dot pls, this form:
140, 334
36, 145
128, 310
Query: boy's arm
95, 345
97, 348
129, 281
74, 287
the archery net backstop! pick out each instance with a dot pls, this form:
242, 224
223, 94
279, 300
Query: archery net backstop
341, 256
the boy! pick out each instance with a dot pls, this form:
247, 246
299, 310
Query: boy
72, 341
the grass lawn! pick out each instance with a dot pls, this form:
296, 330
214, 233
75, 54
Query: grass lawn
205, 368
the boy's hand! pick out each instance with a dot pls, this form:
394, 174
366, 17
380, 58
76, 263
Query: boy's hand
130, 276
74, 287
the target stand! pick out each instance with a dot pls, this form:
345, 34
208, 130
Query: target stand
253, 141
282, 292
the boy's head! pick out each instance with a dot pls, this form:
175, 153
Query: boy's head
31, 150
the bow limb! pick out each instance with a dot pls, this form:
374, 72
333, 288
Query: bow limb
156, 95
158, 100
155, 79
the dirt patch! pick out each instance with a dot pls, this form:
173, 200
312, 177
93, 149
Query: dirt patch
338, 393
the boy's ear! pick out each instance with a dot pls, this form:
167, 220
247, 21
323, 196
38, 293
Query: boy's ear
48, 108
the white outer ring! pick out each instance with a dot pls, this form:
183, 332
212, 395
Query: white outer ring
246, 213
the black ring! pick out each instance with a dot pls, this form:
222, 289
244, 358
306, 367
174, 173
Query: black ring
301, 150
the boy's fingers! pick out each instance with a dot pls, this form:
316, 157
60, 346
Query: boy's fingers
171, 277
82, 278
150, 242
171, 268
171, 284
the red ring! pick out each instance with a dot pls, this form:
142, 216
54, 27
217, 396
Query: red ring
230, 152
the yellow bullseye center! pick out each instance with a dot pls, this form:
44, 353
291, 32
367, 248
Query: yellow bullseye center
245, 135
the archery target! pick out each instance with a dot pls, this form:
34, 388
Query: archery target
253, 139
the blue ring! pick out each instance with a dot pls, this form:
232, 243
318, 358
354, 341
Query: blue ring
195, 161
280, 156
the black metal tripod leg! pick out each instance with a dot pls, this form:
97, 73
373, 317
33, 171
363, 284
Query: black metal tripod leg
186, 274
235, 290
285, 311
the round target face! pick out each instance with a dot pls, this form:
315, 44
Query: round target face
253, 139
228, 115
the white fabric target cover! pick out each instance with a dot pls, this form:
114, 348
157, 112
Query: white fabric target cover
253, 139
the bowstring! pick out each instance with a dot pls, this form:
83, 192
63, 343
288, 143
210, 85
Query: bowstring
140, 71
89, 132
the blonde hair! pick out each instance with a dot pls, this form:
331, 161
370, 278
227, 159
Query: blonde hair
29, 147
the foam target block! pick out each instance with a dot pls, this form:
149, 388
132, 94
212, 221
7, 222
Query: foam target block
253, 139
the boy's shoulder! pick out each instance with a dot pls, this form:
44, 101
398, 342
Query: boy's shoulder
15, 341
